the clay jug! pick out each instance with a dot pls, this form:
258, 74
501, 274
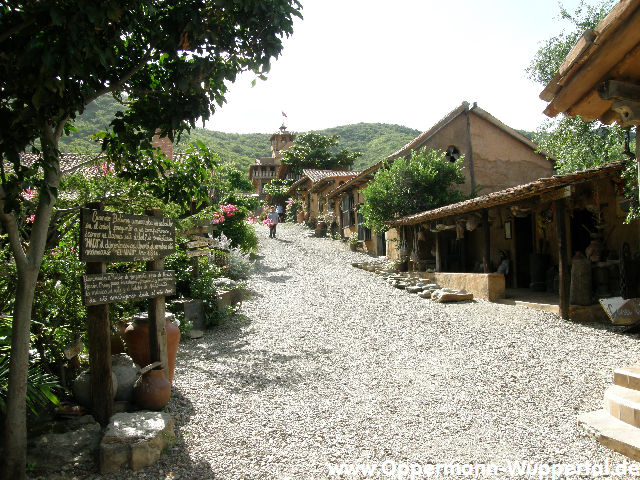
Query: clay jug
117, 339
152, 390
136, 337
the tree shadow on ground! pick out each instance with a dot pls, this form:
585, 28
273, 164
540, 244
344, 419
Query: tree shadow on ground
236, 367
278, 278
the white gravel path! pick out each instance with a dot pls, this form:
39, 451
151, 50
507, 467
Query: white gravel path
328, 363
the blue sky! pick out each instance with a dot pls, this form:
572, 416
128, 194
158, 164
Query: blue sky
406, 62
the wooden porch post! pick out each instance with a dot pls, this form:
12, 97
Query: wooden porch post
486, 254
99, 338
157, 329
563, 260
438, 264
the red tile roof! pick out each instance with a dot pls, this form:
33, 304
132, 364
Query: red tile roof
512, 194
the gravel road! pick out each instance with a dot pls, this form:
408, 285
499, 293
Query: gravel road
327, 363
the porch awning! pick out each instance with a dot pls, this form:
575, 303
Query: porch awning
512, 195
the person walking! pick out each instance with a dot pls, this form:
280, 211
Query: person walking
280, 212
273, 216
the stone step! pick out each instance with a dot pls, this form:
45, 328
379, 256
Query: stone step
623, 403
628, 377
612, 433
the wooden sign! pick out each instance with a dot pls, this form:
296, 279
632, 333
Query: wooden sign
198, 243
621, 311
116, 287
119, 237
197, 231
198, 253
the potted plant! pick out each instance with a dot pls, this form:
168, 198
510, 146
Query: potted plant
353, 241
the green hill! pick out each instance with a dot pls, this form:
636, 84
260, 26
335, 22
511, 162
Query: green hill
374, 140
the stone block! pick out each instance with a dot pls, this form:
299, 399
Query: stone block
135, 440
447, 296
193, 312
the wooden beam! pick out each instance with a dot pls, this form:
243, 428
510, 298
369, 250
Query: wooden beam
486, 234
99, 336
629, 112
618, 90
99, 343
438, 262
563, 260
603, 59
157, 330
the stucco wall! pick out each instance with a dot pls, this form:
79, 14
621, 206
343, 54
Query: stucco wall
500, 160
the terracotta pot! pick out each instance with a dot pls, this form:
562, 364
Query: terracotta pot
300, 217
152, 390
117, 339
136, 337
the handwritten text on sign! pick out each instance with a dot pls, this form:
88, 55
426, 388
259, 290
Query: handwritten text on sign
119, 237
118, 287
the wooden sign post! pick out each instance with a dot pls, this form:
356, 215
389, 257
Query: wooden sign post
118, 237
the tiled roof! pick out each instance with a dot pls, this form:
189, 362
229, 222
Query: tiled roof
362, 177
512, 194
70, 162
317, 175
314, 176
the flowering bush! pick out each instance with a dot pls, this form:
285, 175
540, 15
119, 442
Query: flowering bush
217, 217
291, 210
221, 243
240, 265
229, 210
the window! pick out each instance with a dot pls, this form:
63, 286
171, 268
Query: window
453, 154
347, 211
364, 233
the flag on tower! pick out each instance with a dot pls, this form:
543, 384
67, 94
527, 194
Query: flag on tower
284, 115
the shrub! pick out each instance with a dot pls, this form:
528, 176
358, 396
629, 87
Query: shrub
422, 182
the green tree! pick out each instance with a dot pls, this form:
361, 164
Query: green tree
573, 143
312, 150
277, 190
424, 181
168, 60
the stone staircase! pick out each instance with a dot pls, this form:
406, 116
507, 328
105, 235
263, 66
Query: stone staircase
617, 425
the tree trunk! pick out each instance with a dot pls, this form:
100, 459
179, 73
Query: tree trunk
15, 441
28, 265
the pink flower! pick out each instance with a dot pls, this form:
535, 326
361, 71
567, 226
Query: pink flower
268, 222
29, 193
217, 217
229, 209
30, 219
105, 168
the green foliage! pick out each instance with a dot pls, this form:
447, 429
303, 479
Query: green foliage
376, 141
571, 142
577, 145
278, 190
311, 150
551, 54
42, 387
424, 181
293, 206
237, 181
236, 227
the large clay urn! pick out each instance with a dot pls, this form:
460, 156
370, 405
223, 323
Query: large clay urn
152, 390
136, 337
